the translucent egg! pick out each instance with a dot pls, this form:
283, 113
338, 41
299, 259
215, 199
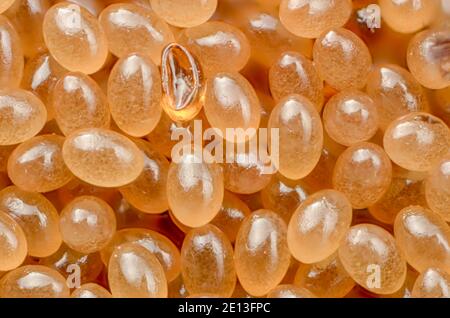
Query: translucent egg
350, 117
437, 189
408, 16
194, 189
148, 191
417, 141
13, 243
22, 116
207, 262
5, 152
318, 226
40, 76
245, 171
36, 216
423, 237
395, 92
283, 196
428, 58
134, 272
102, 157
157, 244
363, 172
87, 224
402, 193
5, 5
432, 283
182, 83
177, 288
89, 265
290, 291
33, 281
342, 59
11, 55
309, 19
74, 38
134, 94
91, 290
231, 102
78, 102
371, 257
184, 13
131, 28
292, 73
263, 26
231, 214
300, 136
37, 164
325, 279
27, 17
213, 43
261, 253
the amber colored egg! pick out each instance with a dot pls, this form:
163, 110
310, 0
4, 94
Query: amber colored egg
36, 216
371, 257
33, 281
194, 189
134, 94
148, 192
427, 57
78, 102
134, 272
132, 28
214, 42
261, 252
22, 116
325, 279
27, 17
300, 133
350, 117
293, 73
37, 164
283, 196
13, 243
159, 245
408, 16
363, 172
207, 262
74, 38
69, 262
231, 102
437, 189
319, 225
432, 283
11, 54
342, 59
402, 193
40, 76
396, 93
264, 26
423, 237
417, 141
184, 13
231, 214
290, 291
91, 290
87, 224
102, 157
309, 19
